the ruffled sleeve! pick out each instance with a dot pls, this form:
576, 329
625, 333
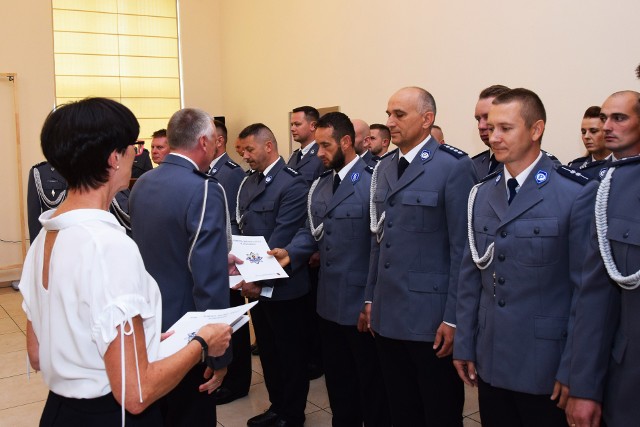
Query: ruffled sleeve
119, 311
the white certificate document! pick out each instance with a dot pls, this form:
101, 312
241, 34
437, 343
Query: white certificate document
189, 324
257, 264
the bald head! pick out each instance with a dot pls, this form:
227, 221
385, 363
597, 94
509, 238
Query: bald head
363, 134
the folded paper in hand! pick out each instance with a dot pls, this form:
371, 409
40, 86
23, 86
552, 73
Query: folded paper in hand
189, 324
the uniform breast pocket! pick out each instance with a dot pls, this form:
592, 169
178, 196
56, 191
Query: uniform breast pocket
420, 211
624, 236
349, 219
484, 228
537, 241
265, 213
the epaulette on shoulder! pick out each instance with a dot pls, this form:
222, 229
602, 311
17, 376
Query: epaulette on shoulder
388, 153
455, 152
483, 153
232, 164
491, 175
551, 156
573, 175
291, 171
327, 172
369, 169
625, 161
37, 165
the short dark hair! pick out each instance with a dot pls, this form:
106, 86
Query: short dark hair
260, 131
638, 72
340, 123
160, 133
77, 139
310, 113
436, 127
532, 108
592, 112
383, 129
221, 129
493, 91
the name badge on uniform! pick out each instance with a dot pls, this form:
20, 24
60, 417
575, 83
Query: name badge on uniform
355, 177
541, 176
425, 154
268, 179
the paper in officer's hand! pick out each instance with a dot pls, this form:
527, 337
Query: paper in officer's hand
258, 265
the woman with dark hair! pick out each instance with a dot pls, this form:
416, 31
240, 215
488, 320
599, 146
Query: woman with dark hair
94, 313
593, 140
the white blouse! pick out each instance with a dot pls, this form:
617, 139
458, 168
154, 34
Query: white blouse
97, 281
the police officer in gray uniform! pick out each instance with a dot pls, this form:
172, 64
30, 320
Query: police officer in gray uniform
520, 271
46, 190
305, 159
614, 328
338, 226
419, 201
271, 203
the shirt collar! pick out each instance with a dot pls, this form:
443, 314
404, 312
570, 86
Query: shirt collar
414, 151
74, 217
185, 157
522, 176
346, 168
268, 168
213, 163
306, 149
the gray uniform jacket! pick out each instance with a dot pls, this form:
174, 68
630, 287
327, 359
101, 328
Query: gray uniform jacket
166, 206
229, 174
513, 316
345, 244
310, 166
274, 208
481, 164
620, 405
414, 269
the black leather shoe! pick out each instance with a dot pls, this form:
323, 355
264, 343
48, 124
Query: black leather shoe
254, 350
314, 371
282, 423
266, 419
225, 395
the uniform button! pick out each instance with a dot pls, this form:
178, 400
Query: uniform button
386, 265
625, 235
501, 280
435, 287
501, 257
503, 234
392, 202
329, 232
564, 334
390, 224
485, 228
501, 303
328, 263
330, 215
388, 245
348, 214
328, 248
418, 200
536, 230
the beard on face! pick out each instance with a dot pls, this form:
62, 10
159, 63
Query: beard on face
337, 162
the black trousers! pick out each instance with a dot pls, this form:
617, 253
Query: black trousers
105, 411
280, 328
352, 374
506, 408
423, 390
238, 378
185, 406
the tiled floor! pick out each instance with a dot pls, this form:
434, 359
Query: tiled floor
22, 399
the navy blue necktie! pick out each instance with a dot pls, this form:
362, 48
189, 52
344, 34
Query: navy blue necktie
402, 166
336, 182
512, 183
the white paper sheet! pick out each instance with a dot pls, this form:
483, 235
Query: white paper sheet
189, 324
258, 265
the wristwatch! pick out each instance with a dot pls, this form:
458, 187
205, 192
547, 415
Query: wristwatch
205, 347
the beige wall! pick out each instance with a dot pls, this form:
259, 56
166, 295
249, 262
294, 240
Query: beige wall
255, 60
280, 54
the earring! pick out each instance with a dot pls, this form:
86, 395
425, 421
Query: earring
117, 167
